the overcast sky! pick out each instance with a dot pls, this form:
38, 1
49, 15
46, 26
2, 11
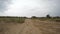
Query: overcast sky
29, 7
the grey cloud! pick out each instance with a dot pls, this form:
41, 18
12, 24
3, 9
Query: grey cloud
51, 7
4, 4
56, 8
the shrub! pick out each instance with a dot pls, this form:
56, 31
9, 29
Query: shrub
48, 16
33, 17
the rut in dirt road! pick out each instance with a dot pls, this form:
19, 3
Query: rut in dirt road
29, 28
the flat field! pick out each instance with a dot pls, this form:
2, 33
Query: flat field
19, 25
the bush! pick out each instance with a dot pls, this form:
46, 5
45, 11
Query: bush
33, 17
48, 16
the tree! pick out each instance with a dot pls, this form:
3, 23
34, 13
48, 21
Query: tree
48, 16
33, 17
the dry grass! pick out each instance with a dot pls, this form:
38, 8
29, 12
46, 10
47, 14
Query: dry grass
10, 23
12, 19
48, 26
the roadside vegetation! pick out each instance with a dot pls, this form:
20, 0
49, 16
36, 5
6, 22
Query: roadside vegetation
47, 18
8, 19
48, 24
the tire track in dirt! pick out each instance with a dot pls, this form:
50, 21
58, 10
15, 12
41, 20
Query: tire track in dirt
29, 28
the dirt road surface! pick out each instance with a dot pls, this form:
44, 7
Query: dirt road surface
25, 28
30, 26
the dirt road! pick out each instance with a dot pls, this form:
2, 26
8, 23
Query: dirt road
25, 28
29, 28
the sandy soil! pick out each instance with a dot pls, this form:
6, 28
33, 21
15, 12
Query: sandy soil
30, 27
25, 28
47, 27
